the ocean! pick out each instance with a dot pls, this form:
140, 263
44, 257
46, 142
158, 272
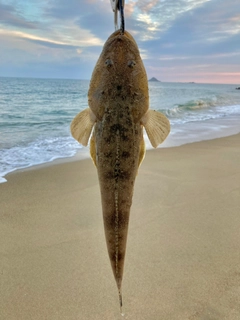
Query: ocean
35, 116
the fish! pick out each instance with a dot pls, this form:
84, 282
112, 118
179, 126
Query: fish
118, 101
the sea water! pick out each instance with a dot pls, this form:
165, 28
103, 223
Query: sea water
35, 116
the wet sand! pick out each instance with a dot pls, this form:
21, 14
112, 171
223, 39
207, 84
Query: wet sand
183, 252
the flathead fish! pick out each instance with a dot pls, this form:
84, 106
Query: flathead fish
118, 110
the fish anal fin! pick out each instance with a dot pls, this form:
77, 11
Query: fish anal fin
81, 126
93, 149
142, 152
157, 126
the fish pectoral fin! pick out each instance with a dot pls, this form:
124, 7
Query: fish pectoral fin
81, 126
142, 152
93, 149
157, 127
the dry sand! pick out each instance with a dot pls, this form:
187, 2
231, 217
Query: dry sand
183, 253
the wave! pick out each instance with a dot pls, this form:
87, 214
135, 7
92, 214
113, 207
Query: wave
192, 105
37, 152
201, 110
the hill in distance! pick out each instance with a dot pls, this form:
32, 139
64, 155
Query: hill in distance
154, 79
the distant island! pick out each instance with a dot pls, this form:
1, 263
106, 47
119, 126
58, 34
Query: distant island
154, 79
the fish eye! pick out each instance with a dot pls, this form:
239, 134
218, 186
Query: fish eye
131, 63
108, 63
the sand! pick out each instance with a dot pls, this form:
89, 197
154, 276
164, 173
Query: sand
183, 252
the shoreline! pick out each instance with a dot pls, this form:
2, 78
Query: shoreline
182, 249
179, 139
196, 113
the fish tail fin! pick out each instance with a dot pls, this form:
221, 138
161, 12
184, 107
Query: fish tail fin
120, 301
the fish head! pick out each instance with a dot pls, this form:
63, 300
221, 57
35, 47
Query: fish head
119, 76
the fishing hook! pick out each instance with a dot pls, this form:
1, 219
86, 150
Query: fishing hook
118, 5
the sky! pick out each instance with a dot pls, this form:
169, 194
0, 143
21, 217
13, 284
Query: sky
179, 40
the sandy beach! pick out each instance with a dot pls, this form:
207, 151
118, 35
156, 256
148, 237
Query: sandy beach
183, 252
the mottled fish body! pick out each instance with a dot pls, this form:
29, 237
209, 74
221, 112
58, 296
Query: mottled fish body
119, 108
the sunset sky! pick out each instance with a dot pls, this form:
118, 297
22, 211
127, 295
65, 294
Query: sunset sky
179, 40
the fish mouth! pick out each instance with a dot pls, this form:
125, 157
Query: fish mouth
126, 34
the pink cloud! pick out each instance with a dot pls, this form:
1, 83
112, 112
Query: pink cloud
146, 5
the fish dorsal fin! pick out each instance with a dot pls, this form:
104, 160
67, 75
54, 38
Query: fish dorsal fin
81, 126
157, 127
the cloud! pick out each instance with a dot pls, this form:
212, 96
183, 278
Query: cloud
198, 31
159, 16
9, 16
177, 39
86, 14
47, 42
147, 5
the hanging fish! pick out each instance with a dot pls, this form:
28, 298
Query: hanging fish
118, 110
